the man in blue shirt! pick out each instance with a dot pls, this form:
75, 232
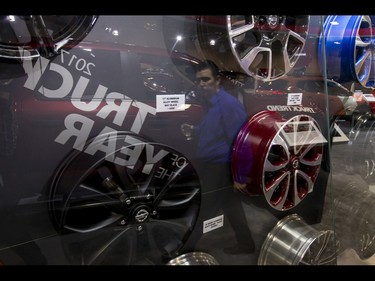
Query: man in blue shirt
216, 132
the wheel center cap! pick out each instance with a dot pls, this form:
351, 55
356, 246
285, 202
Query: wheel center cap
272, 21
295, 164
141, 215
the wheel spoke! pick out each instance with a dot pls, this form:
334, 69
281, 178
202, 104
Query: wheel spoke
311, 155
101, 224
277, 191
241, 30
113, 242
164, 189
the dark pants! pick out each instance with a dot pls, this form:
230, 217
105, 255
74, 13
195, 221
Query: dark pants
217, 188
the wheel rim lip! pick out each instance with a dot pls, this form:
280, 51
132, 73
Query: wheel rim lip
244, 138
194, 258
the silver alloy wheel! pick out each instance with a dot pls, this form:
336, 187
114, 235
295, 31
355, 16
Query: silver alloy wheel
361, 150
293, 242
194, 258
351, 206
267, 46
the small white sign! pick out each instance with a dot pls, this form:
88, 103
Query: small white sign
294, 99
369, 97
170, 103
213, 223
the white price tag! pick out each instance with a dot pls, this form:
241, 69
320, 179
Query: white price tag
170, 103
214, 223
369, 97
294, 98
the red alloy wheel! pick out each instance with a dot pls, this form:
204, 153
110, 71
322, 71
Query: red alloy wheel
285, 157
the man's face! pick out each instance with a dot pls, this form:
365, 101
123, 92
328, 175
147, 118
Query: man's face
207, 82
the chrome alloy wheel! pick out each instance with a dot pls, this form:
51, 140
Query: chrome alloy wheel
293, 242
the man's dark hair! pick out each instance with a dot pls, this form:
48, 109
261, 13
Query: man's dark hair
208, 64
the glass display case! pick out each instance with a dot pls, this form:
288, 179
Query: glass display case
187, 140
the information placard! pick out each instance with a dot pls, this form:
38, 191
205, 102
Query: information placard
170, 103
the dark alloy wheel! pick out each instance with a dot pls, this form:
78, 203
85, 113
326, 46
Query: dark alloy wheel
30, 36
117, 210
